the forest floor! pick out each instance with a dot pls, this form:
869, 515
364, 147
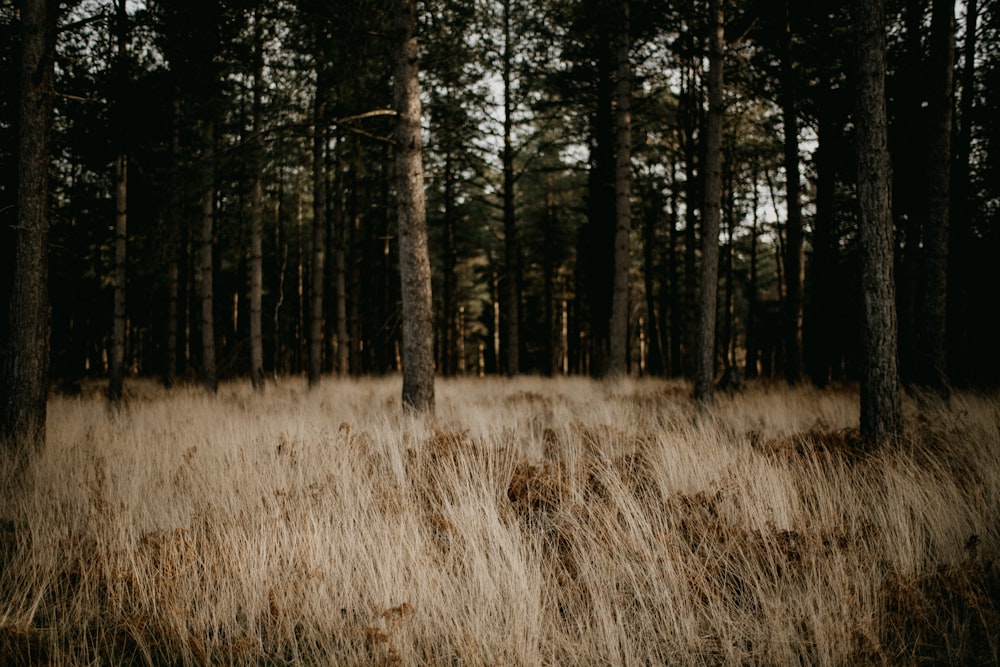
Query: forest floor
532, 522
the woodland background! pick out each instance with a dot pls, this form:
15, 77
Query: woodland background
276, 115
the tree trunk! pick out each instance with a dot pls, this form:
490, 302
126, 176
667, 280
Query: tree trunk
26, 371
257, 212
795, 248
708, 293
881, 408
116, 360
205, 264
173, 218
618, 328
752, 292
960, 358
317, 277
511, 299
649, 264
932, 355
414, 262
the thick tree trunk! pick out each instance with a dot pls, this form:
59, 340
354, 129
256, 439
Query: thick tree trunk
881, 408
932, 351
257, 213
618, 328
26, 371
654, 208
708, 292
205, 265
414, 262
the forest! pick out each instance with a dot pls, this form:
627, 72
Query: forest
246, 148
693, 305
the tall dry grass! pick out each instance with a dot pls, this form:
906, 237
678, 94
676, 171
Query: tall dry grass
534, 522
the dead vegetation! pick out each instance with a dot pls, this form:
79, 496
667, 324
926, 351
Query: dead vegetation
532, 523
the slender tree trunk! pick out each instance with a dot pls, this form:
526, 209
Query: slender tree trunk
341, 214
674, 282
653, 210
933, 306
822, 315
708, 293
318, 268
753, 296
795, 247
205, 264
553, 346
25, 381
881, 407
689, 307
511, 299
116, 360
257, 212
414, 262
449, 297
958, 294
618, 357
174, 245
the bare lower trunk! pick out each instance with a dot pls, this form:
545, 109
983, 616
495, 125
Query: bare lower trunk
26, 371
414, 262
257, 216
318, 269
618, 328
881, 408
205, 264
708, 294
116, 366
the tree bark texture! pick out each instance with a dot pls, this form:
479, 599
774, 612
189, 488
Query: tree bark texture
26, 371
511, 299
795, 247
257, 212
618, 328
414, 262
708, 289
116, 365
932, 350
205, 264
318, 267
881, 408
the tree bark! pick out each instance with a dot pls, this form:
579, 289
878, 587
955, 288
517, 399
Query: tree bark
708, 292
881, 407
26, 371
414, 262
618, 328
257, 211
116, 360
318, 268
932, 351
795, 247
511, 299
205, 264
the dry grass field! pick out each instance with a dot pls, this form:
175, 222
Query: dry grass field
533, 522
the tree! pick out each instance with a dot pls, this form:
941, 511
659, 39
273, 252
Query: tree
116, 360
932, 348
708, 294
881, 407
618, 328
414, 262
794, 248
257, 208
26, 370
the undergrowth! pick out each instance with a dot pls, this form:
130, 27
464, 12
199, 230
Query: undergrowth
533, 522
